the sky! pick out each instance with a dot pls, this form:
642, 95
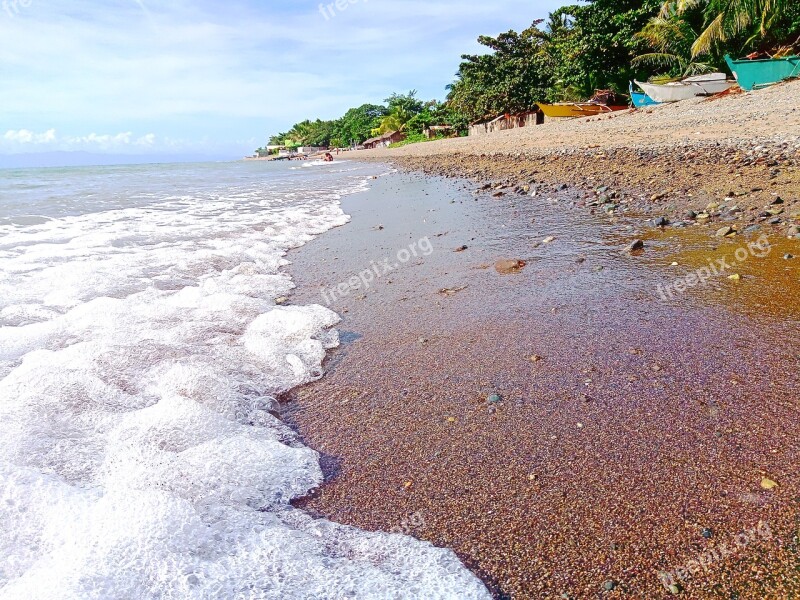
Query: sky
145, 77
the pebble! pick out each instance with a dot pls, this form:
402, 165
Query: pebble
506, 266
634, 246
610, 585
768, 484
707, 533
725, 231
788, 256
660, 222
494, 398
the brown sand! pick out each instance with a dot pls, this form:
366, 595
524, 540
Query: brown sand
638, 423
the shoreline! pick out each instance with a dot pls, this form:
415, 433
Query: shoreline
731, 161
617, 417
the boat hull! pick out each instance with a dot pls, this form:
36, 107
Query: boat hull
565, 111
641, 100
755, 74
684, 90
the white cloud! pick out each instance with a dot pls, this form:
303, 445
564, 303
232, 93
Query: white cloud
24, 136
24, 139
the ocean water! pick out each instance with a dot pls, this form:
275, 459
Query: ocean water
140, 351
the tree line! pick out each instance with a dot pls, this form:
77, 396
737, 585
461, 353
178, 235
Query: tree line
601, 44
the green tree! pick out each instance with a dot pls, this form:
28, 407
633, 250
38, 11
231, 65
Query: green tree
669, 37
508, 79
593, 45
746, 23
278, 139
401, 110
357, 124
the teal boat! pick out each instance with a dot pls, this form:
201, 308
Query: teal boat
760, 73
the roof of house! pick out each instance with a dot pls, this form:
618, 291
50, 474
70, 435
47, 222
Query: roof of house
380, 138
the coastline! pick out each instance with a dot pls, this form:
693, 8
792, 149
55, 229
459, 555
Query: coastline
626, 427
730, 158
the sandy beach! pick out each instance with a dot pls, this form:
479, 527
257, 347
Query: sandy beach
578, 426
728, 157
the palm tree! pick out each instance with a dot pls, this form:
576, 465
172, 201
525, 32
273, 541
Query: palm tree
394, 121
671, 38
729, 19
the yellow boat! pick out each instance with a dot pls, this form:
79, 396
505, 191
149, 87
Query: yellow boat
603, 101
576, 109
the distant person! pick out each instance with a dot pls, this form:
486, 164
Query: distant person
328, 157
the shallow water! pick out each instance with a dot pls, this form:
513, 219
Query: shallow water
140, 350
641, 423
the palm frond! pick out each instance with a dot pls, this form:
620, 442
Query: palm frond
657, 59
682, 6
712, 34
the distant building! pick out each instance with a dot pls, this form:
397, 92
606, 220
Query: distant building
311, 149
385, 140
503, 122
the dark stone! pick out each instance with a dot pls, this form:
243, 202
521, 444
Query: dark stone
660, 222
635, 246
610, 585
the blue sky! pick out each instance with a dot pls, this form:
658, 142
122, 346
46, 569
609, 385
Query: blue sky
148, 77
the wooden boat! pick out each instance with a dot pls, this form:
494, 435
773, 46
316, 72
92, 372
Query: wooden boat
604, 101
760, 73
700, 85
640, 99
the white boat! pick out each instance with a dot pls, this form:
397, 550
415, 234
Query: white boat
699, 85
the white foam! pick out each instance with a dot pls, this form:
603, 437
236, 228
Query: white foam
140, 349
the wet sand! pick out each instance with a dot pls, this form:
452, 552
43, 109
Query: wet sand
707, 161
631, 436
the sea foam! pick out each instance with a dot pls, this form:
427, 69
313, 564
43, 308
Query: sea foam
140, 456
